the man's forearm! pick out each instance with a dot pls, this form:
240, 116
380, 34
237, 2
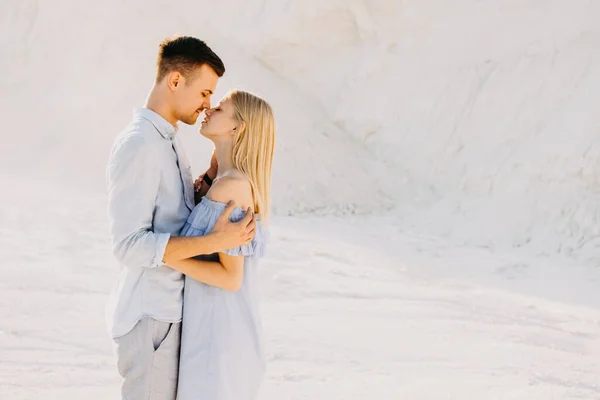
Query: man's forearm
183, 247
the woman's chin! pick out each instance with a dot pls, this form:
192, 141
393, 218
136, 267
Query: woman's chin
207, 133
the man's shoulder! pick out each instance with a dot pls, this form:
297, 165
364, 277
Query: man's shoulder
139, 133
140, 129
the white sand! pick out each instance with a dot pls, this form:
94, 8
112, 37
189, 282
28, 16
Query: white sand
436, 191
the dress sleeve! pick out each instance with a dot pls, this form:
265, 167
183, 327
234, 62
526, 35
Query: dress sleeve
256, 248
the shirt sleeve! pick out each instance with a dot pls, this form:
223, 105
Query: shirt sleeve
133, 176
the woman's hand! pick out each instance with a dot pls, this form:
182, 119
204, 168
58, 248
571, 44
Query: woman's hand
201, 187
198, 183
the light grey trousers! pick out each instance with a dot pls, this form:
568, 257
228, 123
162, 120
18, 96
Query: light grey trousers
148, 360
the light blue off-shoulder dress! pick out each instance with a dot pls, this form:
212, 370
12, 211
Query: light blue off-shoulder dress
221, 341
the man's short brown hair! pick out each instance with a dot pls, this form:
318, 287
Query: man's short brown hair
185, 54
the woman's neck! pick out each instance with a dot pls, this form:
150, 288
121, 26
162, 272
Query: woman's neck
224, 152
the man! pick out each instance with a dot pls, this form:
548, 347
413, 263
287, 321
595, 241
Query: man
151, 194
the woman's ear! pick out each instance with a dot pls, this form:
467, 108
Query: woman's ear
241, 127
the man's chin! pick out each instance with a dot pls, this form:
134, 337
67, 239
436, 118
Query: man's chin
190, 120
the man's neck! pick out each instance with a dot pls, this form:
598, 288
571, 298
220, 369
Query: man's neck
157, 104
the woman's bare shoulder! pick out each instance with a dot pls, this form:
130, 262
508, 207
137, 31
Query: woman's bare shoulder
234, 187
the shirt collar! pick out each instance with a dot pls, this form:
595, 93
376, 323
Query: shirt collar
163, 126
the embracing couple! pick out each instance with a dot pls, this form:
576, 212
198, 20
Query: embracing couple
184, 314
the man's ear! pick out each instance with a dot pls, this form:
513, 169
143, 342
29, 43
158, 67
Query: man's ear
174, 79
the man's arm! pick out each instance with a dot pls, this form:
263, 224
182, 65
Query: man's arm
225, 235
133, 180
133, 175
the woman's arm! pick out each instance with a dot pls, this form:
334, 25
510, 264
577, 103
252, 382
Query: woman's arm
227, 273
201, 187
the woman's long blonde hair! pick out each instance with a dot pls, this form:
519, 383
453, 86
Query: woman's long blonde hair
254, 145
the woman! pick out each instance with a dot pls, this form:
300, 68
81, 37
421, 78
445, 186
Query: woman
221, 345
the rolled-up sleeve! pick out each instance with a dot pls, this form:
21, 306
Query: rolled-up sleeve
133, 177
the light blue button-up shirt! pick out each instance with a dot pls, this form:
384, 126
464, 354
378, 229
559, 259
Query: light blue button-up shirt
150, 196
